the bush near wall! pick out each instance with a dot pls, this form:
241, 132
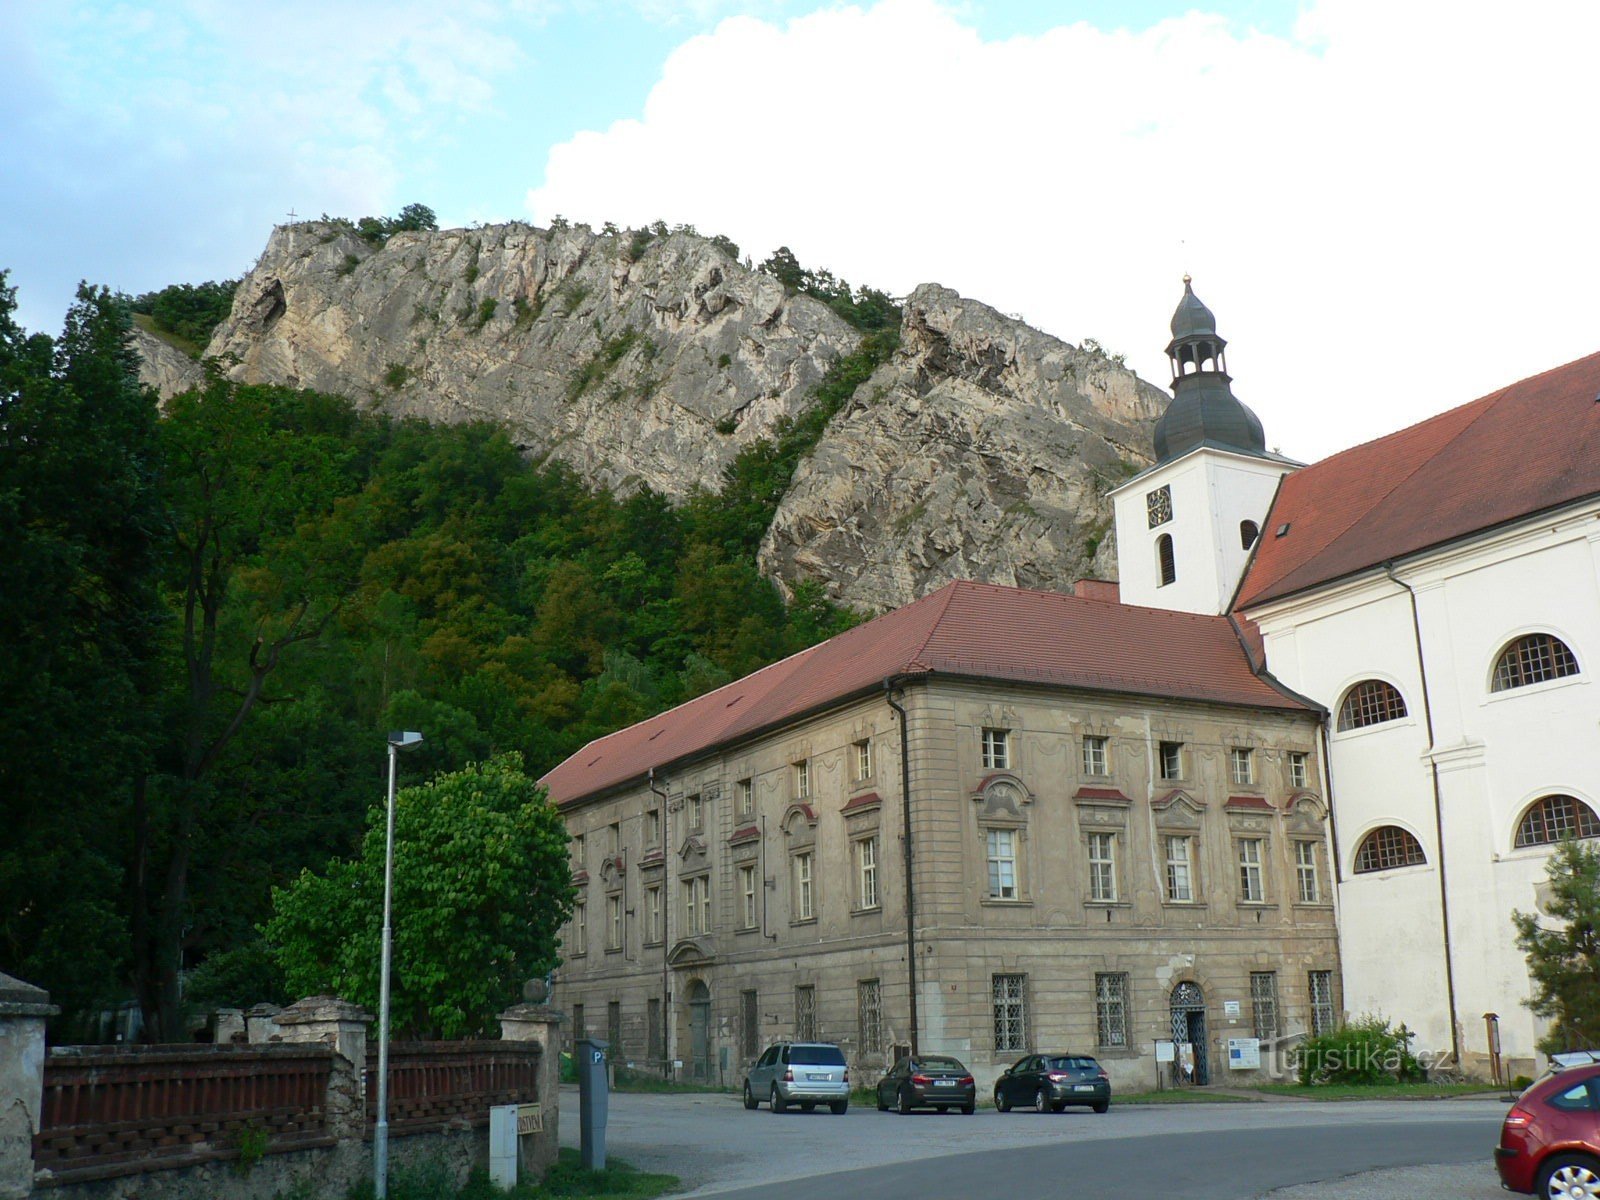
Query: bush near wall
1368, 1050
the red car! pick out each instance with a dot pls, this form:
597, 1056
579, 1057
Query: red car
1550, 1142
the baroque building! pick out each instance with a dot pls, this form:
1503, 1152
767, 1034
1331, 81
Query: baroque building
991, 821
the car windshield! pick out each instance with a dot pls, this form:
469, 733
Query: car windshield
1073, 1062
938, 1062
828, 1056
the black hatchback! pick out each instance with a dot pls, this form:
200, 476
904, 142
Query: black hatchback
1050, 1082
934, 1081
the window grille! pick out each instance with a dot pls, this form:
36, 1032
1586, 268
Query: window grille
1555, 817
1370, 702
1388, 847
1264, 1004
1010, 1012
1002, 852
1102, 868
805, 1013
1322, 1014
996, 753
1094, 756
1309, 886
1251, 885
1533, 659
1111, 1009
869, 1016
1166, 560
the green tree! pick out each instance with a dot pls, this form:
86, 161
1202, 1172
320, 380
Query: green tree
481, 886
1564, 960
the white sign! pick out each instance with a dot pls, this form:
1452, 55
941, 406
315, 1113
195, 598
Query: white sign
1230, 1008
1165, 1052
1244, 1054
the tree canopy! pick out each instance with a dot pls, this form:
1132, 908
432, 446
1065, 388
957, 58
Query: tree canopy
1564, 950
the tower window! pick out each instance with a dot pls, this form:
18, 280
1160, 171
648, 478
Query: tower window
1158, 505
1166, 562
1249, 531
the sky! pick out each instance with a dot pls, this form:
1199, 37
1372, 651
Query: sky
1389, 204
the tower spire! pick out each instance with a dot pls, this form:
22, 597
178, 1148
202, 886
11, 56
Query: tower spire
1204, 410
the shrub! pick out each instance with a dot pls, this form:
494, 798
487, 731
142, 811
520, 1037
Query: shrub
1365, 1051
485, 312
395, 377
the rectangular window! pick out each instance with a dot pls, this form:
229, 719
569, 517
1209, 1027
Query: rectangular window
805, 1013
580, 928
1002, 854
1094, 755
614, 838
652, 827
1322, 1015
1241, 764
802, 780
863, 760
697, 904
613, 922
652, 914
1264, 1004
804, 899
996, 752
1010, 1012
1111, 1009
652, 1033
866, 850
747, 897
749, 1026
1180, 869
1251, 886
579, 1028
614, 1027
697, 811
1305, 872
1172, 760
1102, 868
578, 847
869, 1016
747, 797
1297, 768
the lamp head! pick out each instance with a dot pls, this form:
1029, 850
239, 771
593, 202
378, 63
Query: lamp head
405, 740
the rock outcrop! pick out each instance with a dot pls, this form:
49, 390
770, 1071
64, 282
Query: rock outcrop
983, 449
165, 368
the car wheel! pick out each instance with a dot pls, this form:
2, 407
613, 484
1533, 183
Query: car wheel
1001, 1102
750, 1100
1102, 1106
905, 1104
969, 1109
1569, 1176
1041, 1101
839, 1107
778, 1104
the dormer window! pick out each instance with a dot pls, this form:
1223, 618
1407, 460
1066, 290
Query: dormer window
1158, 506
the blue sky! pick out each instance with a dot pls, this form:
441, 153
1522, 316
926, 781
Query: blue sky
1386, 165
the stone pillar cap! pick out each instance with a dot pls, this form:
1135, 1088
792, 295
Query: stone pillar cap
20, 999
532, 1012
322, 1008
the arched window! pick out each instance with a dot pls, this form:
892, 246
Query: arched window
1533, 659
1249, 531
1166, 563
1551, 818
1370, 702
1387, 847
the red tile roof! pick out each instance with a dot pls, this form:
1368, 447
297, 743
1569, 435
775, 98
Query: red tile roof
1523, 449
1248, 802
865, 800
963, 629
1098, 793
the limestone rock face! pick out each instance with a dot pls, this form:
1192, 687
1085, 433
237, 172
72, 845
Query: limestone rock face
982, 450
165, 369
636, 363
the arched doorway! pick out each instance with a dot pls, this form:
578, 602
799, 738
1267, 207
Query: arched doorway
699, 1030
1189, 1025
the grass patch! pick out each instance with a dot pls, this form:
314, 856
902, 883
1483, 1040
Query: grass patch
176, 340
609, 354
565, 1179
1376, 1091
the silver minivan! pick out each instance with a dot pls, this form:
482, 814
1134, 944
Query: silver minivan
803, 1073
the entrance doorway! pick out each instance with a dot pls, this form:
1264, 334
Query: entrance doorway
1189, 1025
700, 1031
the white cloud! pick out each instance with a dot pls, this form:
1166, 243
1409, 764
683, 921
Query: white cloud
1391, 211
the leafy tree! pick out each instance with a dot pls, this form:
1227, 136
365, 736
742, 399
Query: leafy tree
190, 312
1564, 962
481, 886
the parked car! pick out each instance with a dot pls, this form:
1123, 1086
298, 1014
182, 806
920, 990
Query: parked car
1550, 1140
1050, 1082
803, 1073
934, 1081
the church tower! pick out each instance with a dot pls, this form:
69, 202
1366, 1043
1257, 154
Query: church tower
1185, 527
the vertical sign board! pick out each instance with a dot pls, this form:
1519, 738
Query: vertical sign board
1244, 1054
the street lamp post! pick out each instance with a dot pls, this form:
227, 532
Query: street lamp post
380, 1139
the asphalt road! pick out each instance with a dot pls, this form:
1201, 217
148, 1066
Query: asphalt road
1379, 1150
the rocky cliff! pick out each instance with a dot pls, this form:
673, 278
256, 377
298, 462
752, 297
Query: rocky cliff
982, 449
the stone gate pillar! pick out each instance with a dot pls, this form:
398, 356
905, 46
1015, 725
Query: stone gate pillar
343, 1026
540, 1023
23, 1009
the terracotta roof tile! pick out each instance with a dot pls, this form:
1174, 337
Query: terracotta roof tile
1248, 802
865, 800
1526, 448
1099, 793
748, 833
965, 628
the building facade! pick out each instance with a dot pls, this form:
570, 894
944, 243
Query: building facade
1118, 836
